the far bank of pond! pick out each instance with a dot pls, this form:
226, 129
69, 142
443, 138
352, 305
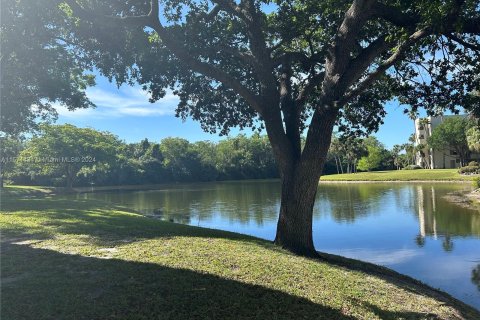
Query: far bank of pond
409, 227
419, 175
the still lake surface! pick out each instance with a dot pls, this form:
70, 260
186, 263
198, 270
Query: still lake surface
408, 227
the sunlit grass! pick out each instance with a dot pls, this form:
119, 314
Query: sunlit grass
401, 175
65, 259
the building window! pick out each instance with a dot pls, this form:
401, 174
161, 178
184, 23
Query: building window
421, 127
421, 136
453, 153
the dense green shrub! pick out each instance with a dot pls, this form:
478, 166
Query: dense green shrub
476, 182
412, 167
469, 170
473, 164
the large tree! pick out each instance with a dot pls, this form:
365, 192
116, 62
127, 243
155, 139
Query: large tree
473, 139
290, 67
37, 68
375, 155
66, 151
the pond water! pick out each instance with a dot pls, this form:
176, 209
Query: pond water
408, 227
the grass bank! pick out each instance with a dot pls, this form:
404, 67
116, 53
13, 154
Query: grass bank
401, 175
64, 259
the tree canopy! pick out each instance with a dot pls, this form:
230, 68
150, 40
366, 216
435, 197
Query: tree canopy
39, 68
239, 55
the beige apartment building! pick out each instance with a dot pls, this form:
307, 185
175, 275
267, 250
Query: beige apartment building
430, 158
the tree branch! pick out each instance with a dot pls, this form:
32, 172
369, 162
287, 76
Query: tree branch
364, 59
295, 56
345, 41
309, 88
396, 56
152, 20
212, 14
231, 7
394, 16
80, 12
355, 18
206, 69
464, 43
472, 26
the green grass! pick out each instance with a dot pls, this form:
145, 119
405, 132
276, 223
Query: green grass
65, 259
400, 175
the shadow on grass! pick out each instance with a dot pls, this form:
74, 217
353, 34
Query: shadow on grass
103, 222
44, 284
386, 314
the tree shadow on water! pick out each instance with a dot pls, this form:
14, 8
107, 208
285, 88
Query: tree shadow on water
44, 284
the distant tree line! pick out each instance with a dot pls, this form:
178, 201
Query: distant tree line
64, 155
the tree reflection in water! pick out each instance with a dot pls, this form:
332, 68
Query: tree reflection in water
420, 240
476, 276
447, 243
436, 220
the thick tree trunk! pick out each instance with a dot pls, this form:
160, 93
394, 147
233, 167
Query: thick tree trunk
294, 228
300, 181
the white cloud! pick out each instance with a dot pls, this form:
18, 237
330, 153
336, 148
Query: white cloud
127, 101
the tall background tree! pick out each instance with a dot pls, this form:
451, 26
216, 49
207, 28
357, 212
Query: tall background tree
375, 154
286, 66
451, 135
397, 156
68, 152
346, 151
473, 139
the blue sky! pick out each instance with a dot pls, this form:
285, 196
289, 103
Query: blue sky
127, 113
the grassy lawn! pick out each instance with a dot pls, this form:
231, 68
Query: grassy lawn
400, 175
64, 259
